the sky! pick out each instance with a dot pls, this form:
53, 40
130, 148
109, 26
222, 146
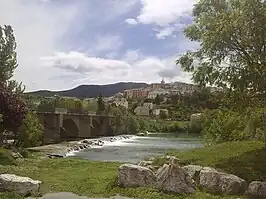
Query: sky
65, 43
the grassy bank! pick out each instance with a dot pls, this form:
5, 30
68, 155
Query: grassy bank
97, 179
245, 159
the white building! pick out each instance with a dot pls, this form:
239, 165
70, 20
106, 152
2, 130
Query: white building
156, 112
119, 100
179, 87
142, 111
153, 94
149, 105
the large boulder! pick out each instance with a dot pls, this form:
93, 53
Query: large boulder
193, 170
130, 175
213, 181
145, 163
18, 184
172, 178
257, 189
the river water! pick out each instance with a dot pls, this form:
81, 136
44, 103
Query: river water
137, 148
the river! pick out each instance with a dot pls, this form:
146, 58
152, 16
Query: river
137, 148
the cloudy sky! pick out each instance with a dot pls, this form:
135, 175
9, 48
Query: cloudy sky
65, 43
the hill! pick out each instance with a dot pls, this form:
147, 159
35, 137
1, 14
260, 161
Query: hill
85, 91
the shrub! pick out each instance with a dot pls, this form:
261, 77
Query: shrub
175, 128
195, 125
31, 134
227, 125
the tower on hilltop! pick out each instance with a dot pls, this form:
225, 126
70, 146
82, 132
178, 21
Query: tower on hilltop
162, 82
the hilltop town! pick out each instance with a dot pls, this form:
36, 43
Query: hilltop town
151, 100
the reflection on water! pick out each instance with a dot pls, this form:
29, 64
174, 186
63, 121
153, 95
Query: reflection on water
137, 148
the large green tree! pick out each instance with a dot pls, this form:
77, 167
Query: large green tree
12, 107
8, 59
232, 51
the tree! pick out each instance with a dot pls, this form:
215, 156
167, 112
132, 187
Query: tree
232, 52
8, 59
101, 105
163, 114
13, 110
157, 100
132, 124
31, 133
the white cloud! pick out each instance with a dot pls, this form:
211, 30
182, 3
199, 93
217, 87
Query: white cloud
166, 14
99, 70
131, 21
37, 28
105, 43
165, 32
45, 62
162, 12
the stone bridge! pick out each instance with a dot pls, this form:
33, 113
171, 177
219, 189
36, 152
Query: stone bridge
61, 125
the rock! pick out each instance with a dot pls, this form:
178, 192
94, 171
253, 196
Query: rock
16, 155
130, 175
172, 178
171, 159
152, 168
145, 163
18, 184
54, 155
257, 189
193, 170
159, 171
217, 182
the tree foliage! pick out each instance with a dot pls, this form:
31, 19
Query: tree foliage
31, 133
13, 110
157, 100
225, 125
163, 114
232, 51
8, 59
101, 105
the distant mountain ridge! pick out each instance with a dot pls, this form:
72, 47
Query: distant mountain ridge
86, 91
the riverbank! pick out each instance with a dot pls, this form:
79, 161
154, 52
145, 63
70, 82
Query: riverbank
97, 179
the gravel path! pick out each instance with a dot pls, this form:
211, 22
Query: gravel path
67, 195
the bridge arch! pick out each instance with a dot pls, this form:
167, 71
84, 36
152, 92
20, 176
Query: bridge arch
69, 129
95, 128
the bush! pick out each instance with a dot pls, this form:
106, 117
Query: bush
6, 158
227, 125
31, 134
175, 128
194, 127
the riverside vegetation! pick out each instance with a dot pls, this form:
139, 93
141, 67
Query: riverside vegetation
231, 56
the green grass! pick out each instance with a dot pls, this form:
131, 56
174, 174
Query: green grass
245, 159
6, 158
97, 179
94, 179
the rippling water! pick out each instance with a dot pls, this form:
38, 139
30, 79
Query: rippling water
137, 148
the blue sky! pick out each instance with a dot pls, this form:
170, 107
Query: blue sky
65, 43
